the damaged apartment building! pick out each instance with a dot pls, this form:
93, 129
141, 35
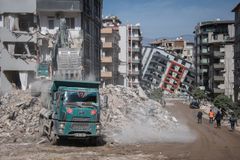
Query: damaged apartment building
214, 51
49, 39
169, 72
178, 47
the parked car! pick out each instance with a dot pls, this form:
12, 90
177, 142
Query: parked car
194, 104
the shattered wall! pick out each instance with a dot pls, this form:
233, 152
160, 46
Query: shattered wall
18, 56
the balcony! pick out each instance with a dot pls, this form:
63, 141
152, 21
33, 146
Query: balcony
219, 66
135, 38
217, 90
107, 45
204, 53
134, 72
219, 78
218, 54
205, 40
204, 62
134, 49
106, 74
106, 31
57, 5
134, 60
106, 59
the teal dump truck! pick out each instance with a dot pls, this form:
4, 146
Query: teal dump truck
72, 111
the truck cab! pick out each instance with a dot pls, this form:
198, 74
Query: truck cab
73, 111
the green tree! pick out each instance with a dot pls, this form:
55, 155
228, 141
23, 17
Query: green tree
156, 94
222, 101
198, 94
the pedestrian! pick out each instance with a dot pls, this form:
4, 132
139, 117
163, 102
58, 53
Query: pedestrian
199, 116
233, 121
218, 119
211, 116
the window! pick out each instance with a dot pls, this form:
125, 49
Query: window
51, 23
0, 17
70, 23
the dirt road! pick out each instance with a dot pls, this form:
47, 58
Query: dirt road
210, 144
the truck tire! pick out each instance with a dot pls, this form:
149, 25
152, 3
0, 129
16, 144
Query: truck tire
41, 127
95, 141
53, 137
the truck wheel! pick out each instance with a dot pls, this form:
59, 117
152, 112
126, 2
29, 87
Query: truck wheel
95, 141
53, 137
41, 127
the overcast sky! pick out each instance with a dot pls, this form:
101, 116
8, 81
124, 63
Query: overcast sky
169, 18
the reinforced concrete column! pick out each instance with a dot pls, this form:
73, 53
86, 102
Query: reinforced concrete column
24, 80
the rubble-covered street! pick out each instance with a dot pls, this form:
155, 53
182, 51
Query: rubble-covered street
135, 127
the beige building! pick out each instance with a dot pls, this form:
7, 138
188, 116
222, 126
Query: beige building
109, 55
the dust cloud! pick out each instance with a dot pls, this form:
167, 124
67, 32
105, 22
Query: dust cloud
135, 132
41, 88
132, 119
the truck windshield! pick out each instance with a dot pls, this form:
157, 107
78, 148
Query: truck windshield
80, 96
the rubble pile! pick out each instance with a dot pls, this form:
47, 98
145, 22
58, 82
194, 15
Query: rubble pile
130, 118
19, 117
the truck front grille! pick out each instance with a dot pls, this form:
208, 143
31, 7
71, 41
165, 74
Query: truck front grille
81, 126
81, 119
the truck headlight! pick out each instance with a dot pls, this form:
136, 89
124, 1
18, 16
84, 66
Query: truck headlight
98, 127
61, 125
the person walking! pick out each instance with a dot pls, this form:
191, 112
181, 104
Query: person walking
211, 116
199, 116
218, 119
233, 121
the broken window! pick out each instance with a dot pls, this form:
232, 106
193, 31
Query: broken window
50, 23
13, 78
26, 22
70, 22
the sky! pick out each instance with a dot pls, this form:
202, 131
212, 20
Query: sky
168, 18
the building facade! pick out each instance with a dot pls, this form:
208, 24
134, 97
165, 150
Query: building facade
129, 56
237, 54
109, 55
38, 35
166, 71
214, 56
134, 55
18, 44
178, 47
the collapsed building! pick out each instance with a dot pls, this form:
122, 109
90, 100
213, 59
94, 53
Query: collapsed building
178, 47
166, 71
49, 38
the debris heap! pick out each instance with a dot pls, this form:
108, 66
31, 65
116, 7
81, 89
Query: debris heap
19, 117
130, 118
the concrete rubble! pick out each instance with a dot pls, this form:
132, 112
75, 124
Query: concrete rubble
19, 117
129, 114
130, 118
